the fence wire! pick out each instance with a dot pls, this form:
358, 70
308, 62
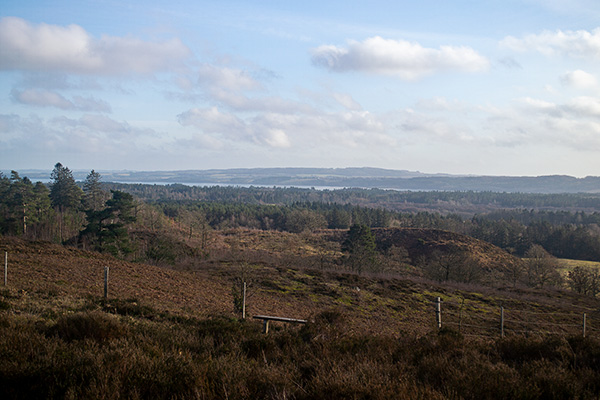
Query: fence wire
471, 319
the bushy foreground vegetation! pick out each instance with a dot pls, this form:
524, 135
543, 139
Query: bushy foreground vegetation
125, 350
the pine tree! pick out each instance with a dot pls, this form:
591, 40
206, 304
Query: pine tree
20, 202
106, 229
64, 192
361, 248
94, 196
65, 196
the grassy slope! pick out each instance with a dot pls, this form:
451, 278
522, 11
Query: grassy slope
168, 333
49, 279
567, 265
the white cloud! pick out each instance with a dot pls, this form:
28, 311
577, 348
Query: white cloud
211, 121
420, 127
240, 102
277, 138
47, 47
90, 135
584, 107
573, 125
539, 105
580, 43
90, 104
510, 63
406, 60
346, 101
226, 78
297, 129
576, 108
47, 98
579, 79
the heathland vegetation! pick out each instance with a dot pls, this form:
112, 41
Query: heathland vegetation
364, 267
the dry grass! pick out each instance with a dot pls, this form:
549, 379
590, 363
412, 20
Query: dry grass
567, 265
170, 334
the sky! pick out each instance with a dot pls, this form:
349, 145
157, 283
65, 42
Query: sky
484, 87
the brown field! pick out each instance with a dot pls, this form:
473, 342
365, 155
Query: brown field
172, 332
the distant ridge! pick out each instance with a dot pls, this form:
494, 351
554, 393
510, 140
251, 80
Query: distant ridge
346, 178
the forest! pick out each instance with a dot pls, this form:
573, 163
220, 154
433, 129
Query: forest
94, 213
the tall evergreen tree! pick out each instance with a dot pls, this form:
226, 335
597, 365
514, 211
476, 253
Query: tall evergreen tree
65, 196
19, 203
4, 188
361, 248
64, 192
106, 229
94, 196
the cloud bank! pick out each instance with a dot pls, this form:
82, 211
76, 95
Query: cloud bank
579, 79
400, 58
45, 47
579, 43
47, 98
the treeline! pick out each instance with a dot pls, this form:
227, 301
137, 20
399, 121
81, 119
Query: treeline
563, 234
64, 212
88, 214
445, 201
296, 217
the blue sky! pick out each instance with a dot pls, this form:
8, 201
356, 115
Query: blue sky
467, 87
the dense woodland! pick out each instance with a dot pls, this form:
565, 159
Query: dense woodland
566, 225
100, 216
65, 211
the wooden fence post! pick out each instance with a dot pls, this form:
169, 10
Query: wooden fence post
244, 303
501, 321
105, 283
460, 314
584, 320
5, 268
438, 312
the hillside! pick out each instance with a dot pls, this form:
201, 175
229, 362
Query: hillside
283, 279
350, 177
169, 333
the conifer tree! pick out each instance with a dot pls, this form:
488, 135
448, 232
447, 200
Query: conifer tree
64, 192
65, 196
361, 248
94, 196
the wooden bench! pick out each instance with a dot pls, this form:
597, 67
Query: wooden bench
266, 319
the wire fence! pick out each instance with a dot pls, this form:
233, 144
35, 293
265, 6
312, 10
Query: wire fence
475, 319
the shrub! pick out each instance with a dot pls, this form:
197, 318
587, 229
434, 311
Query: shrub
93, 325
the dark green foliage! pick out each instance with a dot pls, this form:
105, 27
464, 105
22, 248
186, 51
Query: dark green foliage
361, 249
94, 195
24, 207
161, 250
106, 229
64, 192
304, 220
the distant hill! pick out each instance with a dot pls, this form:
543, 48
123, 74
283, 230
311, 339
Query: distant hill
347, 177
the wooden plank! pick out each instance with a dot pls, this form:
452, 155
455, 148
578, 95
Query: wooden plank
280, 319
